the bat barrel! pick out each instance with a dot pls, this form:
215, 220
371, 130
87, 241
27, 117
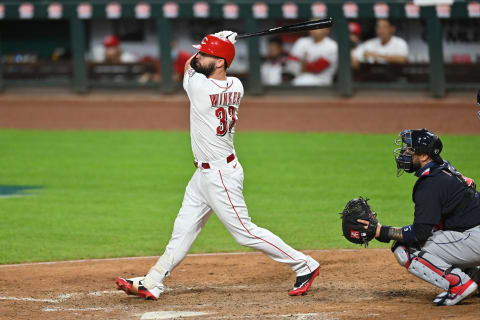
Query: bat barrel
297, 27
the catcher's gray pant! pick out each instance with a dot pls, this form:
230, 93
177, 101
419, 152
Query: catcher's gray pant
445, 253
459, 249
220, 189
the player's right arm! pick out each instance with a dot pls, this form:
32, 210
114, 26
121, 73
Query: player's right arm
187, 64
357, 55
194, 83
295, 58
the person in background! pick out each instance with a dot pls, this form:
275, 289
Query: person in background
385, 48
313, 59
355, 31
61, 54
111, 52
273, 67
179, 57
115, 54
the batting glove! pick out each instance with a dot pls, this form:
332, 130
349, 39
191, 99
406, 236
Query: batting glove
227, 35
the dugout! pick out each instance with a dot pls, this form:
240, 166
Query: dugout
50, 43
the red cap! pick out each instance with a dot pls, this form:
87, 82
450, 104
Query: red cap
217, 47
111, 41
354, 27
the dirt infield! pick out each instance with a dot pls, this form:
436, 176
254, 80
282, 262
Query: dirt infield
382, 114
353, 284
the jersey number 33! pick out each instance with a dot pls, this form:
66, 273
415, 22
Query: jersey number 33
228, 118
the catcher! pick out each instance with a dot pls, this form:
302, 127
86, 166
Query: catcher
442, 245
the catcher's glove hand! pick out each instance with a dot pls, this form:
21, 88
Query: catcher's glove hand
353, 230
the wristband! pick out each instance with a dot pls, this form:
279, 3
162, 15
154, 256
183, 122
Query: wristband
383, 237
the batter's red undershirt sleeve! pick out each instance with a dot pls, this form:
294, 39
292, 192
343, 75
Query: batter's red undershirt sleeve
318, 65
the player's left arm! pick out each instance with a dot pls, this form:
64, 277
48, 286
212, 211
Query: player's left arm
400, 59
427, 207
294, 62
327, 59
417, 232
315, 66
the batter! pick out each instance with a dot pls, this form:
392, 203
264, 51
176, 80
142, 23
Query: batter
217, 184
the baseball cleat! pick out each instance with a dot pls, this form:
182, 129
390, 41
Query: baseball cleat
129, 286
303, 283
455, 294
150, 294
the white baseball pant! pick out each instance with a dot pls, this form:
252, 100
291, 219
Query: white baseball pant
220, 189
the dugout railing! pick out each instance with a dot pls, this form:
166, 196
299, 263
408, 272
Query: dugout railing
76, 74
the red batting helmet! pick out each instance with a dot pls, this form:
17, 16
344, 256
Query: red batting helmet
217, 47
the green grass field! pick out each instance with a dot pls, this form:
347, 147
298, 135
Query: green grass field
113, 194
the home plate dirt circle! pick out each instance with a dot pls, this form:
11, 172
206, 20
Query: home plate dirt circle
366, 282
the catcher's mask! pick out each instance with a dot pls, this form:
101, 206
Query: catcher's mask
416, 141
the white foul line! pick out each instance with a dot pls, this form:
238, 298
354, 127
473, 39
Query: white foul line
62, 297
73, 309
30, 299
170, 315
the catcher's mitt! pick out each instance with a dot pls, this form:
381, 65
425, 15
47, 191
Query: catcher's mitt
355, 231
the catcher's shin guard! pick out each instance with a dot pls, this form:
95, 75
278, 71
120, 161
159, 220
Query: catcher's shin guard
429, 272
430, 268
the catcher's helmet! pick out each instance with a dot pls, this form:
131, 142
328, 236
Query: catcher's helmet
217, 47
418, 141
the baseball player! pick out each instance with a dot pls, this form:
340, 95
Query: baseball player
385, 48
442, 245
217, 184
313, 59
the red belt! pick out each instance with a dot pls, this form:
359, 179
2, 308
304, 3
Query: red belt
206, 165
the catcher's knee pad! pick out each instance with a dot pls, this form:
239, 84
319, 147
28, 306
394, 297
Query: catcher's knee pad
402, 255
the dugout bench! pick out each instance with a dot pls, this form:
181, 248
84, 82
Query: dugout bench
76, 73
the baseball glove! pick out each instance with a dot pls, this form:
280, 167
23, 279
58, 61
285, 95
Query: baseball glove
355, 231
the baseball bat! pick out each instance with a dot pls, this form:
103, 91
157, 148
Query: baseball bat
296, 27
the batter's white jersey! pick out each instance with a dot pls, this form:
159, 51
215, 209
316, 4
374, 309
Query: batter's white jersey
213, 114
396, 46
311, 51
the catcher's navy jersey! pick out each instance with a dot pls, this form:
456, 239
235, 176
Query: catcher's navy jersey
438, 197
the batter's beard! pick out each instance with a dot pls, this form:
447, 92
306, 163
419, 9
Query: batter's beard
207, 71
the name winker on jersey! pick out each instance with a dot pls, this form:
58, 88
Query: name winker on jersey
225, 99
